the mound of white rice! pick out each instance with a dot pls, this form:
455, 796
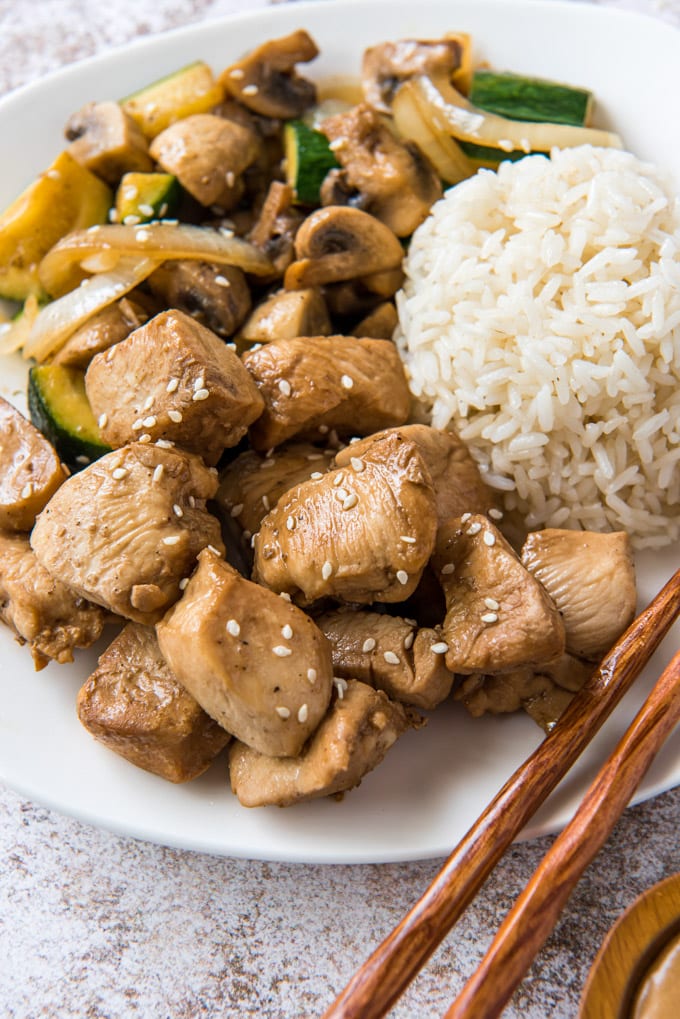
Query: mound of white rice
541, 317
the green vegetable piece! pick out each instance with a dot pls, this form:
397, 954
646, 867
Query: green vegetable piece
486, 155
59, 408
308, 159
191, 89
534, 99
147, 196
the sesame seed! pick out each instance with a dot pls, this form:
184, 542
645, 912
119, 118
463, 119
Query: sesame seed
474, 528
172, 385
82, 459
163, 209
199, 382
285, 596
175, 415
130, 193
315, 456
237, 73
495, 514
489, 538
172, 539
246, 534
311, 676
281, 651
505, 144
490, 617
402, 576
350, 501
265, 502
447, 568
119, 473
465, 517
237, 509
340, 685
408, 640
266, 464
355, 438
326, 570
113, 215
192, 501
408, 539
132, 220
177, 510
146, 210
440, 648
142, 235
284, 387
346, 381
144, 438
137, 425
164, 443
158, 472
338, 479
250, 90
215, 551
391, 658
341, 493
316, 475
147, 403
303, 713
27, 490
290, 523
368, 645
230, 178
102, 420
233, 628
283, 712
357, 464
222, 281
184, 582
323, 429
491, 603
200, 394
287, 631
150, 421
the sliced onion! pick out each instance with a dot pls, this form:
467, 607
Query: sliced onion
14, 334
57, 321
60, 268
443, 152
454, 114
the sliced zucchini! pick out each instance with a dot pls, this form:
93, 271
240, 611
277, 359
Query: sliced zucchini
308, 159
142, 197
65, 197
59, 408
486, 156
536, 99
192, 89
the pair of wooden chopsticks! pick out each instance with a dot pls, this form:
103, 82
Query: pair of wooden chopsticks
385, 975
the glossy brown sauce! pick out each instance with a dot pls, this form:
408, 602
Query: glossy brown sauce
659, 993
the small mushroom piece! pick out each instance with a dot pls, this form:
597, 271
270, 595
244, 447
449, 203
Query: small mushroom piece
266, 80
208, 155
352, 740
134, 705
103, 330
285, 315
341, 243
30, 470
379, 324
217, 296
107, 142
386, 66
591, 579
397, 183
276, 226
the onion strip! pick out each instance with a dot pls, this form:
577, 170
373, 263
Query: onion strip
412, 123
159, 241
14, 334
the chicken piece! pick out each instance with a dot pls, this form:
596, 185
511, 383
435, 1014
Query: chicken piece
386, 66
108, 327
276, 226
106, 141
361, 534
208, 155
456, 480
217, 296
313, 384
389, 653
30, 470
134, 705
591, 579
252, 484
285, 315
266, 80
126, 531
499, 618
537, 693
257, 664
392, 179
173, 379
44, 613
352, 740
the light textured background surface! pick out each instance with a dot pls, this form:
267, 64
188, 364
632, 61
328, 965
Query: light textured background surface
96, 926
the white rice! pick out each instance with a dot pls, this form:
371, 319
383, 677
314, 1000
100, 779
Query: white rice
541, 317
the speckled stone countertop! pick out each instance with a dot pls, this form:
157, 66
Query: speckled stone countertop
98, 926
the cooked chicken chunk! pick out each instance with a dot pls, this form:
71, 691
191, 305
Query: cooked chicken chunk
103, 330
285, 315
395, 182
352, 740
173, 379
498, 617
217, 296
207, 154
134, 705
389, 653
313, 384
257, 664
252, 484
591, 579
458, 485
360, 534
44, 613
30, 470
106, 141
126, 531
266, 80
389, 64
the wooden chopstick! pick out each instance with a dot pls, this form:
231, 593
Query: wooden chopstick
535, 913
384, 976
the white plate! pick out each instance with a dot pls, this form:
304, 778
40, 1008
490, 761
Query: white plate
434, 782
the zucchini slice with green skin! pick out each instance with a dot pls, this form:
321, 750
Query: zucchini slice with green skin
191, 89
309, 158
535, 99
142, 197
59, 408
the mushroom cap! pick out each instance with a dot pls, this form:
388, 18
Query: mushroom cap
266, 80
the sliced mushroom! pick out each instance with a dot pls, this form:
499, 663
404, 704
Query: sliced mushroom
340, 243
208, 155
284, 315
103, 330
276, 227
106, 141
397, 183
379, 324
217, 296
387, 65
266, 80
